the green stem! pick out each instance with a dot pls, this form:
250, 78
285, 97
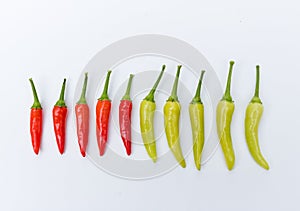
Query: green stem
227, 95
197, 98
104, 95
256, 98
61, 100
150, 96
174, 96
127, 93
82, 99
36, 103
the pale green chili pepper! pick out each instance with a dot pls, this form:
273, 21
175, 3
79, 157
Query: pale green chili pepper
253, 115
196, 110
147, 109
225, 110
171, 119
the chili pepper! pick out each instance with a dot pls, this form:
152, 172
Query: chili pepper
147, 109
225, 110
59, 114
102, 116
36, 120
171, 117
82, 113
125, 108
196, 110
253, 115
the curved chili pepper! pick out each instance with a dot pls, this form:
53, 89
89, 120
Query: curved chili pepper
253, 114
102, 116
171, 117
147, 109
125, 108
36, 120
196, 110
225, 110
82, 113
59, 114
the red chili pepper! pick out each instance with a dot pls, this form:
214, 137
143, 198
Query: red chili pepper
102, 117
36, 121
125, 108
82, 119
59, 114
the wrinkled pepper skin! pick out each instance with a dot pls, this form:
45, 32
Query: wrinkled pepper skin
254, 112
147, 110
196, 111
225, 110
102, 120
125, 109
36, 120
82, 113
59, 122
171, 120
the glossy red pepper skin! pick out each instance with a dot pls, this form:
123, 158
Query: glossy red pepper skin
59, 114
102, 122
125, 109
59, 122
36, 120
103, 108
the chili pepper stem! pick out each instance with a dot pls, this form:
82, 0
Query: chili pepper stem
61, 101
82, 99
36, 103
104, 95
174, 96
256, 98
227, 95
197, 98
127, 93
150, 96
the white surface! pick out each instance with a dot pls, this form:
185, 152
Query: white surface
51, 40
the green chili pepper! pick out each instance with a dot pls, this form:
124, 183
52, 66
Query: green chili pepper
253, 114
171, 117
147, 109
225, 110
196, 110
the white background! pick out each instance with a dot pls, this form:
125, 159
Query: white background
49, 40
